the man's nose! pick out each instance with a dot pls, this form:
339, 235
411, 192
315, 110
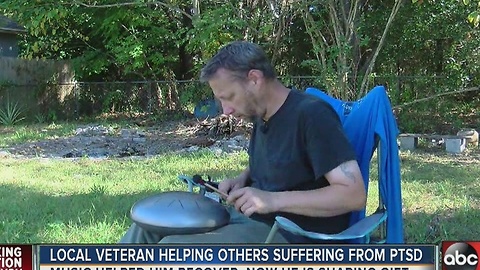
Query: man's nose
227, 109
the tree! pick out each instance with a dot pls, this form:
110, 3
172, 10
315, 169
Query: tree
473, 17
345, 51
346, 43
121, 41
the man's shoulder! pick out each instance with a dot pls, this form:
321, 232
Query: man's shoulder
310, 105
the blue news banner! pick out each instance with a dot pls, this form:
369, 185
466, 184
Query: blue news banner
237, 257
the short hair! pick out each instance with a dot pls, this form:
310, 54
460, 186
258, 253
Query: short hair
239, 57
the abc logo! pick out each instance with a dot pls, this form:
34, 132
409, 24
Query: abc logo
460, 256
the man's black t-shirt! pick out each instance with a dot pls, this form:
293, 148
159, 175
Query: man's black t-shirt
298, 145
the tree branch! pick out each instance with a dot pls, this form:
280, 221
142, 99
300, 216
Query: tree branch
135, 4
396, 7
273, 7
437, 95
315, 36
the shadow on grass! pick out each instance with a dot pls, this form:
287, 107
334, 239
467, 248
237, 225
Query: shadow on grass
97, 216
29, 216
441, 198
437, 171
447, 178
449, 224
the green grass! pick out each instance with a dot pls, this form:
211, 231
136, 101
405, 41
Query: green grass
21, 133
29, 133
441, 196
87, 201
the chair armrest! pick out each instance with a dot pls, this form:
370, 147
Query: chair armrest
190, 183
358, 230
202, 190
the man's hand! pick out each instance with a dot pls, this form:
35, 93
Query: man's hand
250, 200
229, 185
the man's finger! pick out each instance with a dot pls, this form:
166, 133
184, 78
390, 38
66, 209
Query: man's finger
241, 202
249, 210
243, 207
234, 195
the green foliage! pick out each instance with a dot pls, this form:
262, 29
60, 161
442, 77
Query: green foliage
193, 92
433, 52
52, 27
131, 39
113, 101
40, 118
214, 28
442, 115
52, 115
164, 41
5, 84
11, 113
473, 17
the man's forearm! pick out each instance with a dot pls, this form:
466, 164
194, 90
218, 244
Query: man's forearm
325, 202
345, 193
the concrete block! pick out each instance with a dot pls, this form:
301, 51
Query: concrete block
471, 135
408, 142
455, 145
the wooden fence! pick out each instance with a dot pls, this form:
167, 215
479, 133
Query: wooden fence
38, 86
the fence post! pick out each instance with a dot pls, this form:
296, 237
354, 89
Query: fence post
149, 95
77, 101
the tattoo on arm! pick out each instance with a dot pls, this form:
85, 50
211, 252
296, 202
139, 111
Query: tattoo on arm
347, 172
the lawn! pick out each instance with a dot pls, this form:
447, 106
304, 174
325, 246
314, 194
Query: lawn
88, 200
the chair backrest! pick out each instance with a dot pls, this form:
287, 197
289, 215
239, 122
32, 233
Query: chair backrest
370, 124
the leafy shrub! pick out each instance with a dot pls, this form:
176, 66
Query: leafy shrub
11, 114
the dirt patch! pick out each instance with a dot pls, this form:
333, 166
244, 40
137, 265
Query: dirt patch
99, 141
147, 138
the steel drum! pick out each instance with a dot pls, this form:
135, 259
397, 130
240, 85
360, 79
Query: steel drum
179, 212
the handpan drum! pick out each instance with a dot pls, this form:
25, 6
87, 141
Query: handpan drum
179, 212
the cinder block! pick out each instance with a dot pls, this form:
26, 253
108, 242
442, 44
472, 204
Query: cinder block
408, 143
455, 145
471, 136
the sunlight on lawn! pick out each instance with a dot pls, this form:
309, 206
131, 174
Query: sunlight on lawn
88, 201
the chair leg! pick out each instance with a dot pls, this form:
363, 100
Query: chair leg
190, 186
272, 233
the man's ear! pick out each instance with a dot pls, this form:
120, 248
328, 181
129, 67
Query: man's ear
255, 76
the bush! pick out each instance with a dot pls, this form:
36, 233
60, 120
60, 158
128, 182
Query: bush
11, 114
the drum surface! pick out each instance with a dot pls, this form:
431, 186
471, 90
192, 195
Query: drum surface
179, 212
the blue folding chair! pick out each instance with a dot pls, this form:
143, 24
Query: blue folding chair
369, 124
